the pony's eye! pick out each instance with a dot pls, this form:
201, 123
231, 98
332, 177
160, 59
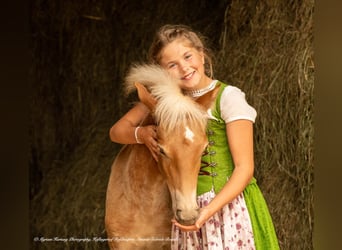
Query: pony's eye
161, 150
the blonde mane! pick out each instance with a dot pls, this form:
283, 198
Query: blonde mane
173, 109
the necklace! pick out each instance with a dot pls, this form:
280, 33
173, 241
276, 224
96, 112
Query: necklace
200, 92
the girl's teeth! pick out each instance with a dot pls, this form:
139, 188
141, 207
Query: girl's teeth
188, 76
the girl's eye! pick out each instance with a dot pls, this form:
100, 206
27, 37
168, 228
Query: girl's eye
172, 65
188, 56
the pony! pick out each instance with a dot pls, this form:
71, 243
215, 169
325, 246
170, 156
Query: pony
143, 195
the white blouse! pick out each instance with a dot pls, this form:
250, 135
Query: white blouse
234, 106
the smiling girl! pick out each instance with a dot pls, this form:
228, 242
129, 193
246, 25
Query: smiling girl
233, 214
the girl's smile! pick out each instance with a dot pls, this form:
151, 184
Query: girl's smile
188, 76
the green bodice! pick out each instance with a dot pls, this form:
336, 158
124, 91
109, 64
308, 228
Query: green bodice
217, 164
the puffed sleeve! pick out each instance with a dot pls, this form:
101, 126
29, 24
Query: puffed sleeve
234, 105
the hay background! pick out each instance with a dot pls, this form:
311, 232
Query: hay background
80, 53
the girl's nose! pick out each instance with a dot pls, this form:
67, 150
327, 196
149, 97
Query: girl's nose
184, 66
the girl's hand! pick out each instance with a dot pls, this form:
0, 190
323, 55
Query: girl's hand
148, 135
186, 228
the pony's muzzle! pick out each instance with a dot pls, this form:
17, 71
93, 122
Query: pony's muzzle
187, 217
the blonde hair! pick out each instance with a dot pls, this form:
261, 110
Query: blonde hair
169, 33
173, 109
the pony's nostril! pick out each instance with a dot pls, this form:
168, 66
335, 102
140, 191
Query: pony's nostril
186, 217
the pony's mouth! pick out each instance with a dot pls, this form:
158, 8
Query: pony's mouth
186, 222
188, 218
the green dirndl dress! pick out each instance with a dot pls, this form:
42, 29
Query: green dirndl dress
265, 237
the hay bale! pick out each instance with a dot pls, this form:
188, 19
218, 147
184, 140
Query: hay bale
267, 50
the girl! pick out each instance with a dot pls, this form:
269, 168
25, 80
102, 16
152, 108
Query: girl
233, 214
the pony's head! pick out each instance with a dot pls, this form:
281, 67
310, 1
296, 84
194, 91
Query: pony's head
181, 133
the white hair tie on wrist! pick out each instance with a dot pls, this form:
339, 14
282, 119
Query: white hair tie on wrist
136, 135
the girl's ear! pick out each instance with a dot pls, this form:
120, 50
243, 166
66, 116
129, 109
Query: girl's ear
203, 57
145, 96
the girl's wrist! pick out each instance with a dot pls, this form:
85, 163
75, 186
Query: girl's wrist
137, 136
209, 211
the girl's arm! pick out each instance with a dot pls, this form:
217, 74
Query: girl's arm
124, 130
240, 139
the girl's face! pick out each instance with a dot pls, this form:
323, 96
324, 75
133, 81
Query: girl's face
185, 63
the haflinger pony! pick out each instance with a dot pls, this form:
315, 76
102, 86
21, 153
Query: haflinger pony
144, 195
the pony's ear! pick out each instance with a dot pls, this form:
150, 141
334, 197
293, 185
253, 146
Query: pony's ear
207, 99
145, 96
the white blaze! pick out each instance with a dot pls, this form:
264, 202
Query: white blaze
189, 134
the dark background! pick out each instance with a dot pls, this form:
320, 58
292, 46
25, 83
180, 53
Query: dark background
80, 53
